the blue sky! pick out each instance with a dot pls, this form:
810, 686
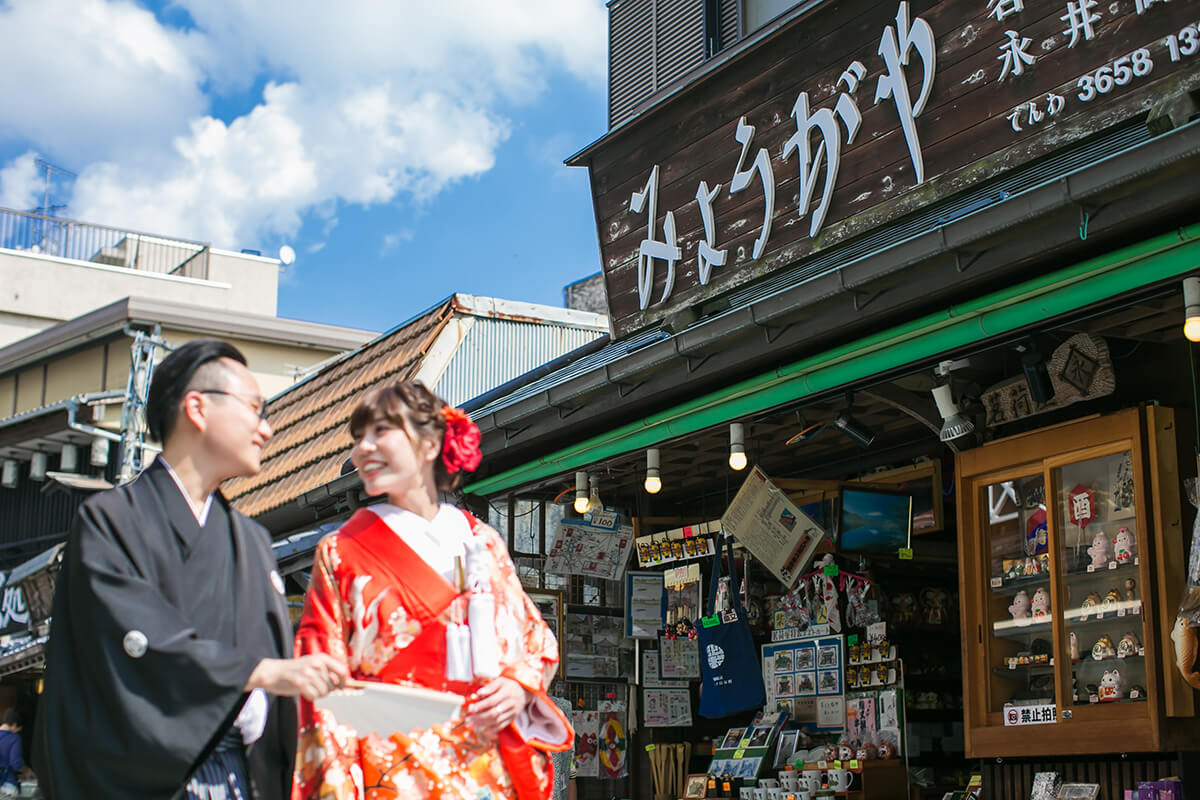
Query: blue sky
405, 151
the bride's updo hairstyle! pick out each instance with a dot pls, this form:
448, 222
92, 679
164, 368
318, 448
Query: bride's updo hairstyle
410, 405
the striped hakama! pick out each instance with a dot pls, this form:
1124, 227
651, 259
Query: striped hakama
222, 776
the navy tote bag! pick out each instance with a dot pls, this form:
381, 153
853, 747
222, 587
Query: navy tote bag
730, 669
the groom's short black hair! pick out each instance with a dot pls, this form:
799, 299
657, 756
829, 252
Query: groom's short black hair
171, 381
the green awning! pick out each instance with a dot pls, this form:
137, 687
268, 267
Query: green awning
1029, 303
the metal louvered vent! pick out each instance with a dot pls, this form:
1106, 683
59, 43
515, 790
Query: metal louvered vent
653, 42
727, 21
678, 39
630, 56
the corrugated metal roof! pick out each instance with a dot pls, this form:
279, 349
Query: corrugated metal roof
496, 350
311, 440
614, 351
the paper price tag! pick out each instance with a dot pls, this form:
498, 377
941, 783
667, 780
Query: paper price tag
854, 764
837, 764
997, 583
1112, 565
1121, 612
906, 554
831, 570
852, 639
1091, 568
650, 748
739, 753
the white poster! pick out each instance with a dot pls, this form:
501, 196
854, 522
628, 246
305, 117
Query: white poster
581, 548
772, 528
666, 708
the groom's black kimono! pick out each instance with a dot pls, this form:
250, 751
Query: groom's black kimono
157, 625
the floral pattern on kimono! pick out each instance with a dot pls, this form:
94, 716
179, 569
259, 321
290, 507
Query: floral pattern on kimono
384, 629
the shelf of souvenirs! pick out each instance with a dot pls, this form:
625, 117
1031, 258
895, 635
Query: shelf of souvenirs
1039, 573
1019, 628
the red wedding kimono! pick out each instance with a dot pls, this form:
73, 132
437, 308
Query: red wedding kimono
375, 603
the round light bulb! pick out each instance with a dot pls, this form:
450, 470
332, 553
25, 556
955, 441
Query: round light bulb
737, 460
653, 484
581, 505
1191, 329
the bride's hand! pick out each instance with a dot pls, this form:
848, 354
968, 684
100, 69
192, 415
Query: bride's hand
496, 705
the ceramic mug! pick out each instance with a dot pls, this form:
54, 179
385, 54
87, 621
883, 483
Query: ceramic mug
815, 779
760, 793
787, 780
746, 793
774, 793
840, 779
769, 783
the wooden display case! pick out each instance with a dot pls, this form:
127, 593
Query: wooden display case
1043, 583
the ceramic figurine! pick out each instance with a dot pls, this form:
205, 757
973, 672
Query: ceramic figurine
1123, 546
1103, 648
1100, 551
904, 606
1128, 646
845, 752
1137, 692
1092, 600
1111, 686
864, 752
933, 606
1041, 604
1074, 646
830, 752
1130, 586
1112, 599
886, 749
1020, 606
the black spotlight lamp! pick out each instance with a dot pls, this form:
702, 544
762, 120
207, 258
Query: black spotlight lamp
850, 426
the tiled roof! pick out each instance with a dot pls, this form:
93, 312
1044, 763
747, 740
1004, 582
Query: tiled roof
309, 419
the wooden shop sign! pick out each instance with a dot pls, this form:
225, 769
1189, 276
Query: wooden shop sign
856, 115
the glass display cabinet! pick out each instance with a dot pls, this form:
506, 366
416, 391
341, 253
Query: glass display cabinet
1071, 554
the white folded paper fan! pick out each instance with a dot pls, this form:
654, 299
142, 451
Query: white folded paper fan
384, 709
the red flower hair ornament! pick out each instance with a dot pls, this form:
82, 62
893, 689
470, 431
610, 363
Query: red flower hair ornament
460, 447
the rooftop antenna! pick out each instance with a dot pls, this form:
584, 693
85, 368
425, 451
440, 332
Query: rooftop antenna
51, 172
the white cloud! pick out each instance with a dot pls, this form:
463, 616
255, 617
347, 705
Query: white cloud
93, 79
20, 183
370, 100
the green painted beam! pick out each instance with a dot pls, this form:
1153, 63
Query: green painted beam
1028, 303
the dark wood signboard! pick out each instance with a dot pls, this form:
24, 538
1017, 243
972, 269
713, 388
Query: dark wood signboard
869, 111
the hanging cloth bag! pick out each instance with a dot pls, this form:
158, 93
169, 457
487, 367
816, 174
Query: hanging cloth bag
731, 673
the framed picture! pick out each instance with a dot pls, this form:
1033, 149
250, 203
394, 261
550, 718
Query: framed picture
783, 752
732, 737
923, 482
874, 520
1079, 791
549, 603
695, 785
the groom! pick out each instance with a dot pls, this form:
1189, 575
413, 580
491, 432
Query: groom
167, 670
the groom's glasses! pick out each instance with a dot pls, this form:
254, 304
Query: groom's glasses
258, 406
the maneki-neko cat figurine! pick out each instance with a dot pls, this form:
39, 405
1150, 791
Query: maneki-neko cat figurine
1093, 600
1020, 605
1111, 687
1123, 546
1040, 604
1100, 551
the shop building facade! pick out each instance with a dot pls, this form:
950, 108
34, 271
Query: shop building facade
867, 242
